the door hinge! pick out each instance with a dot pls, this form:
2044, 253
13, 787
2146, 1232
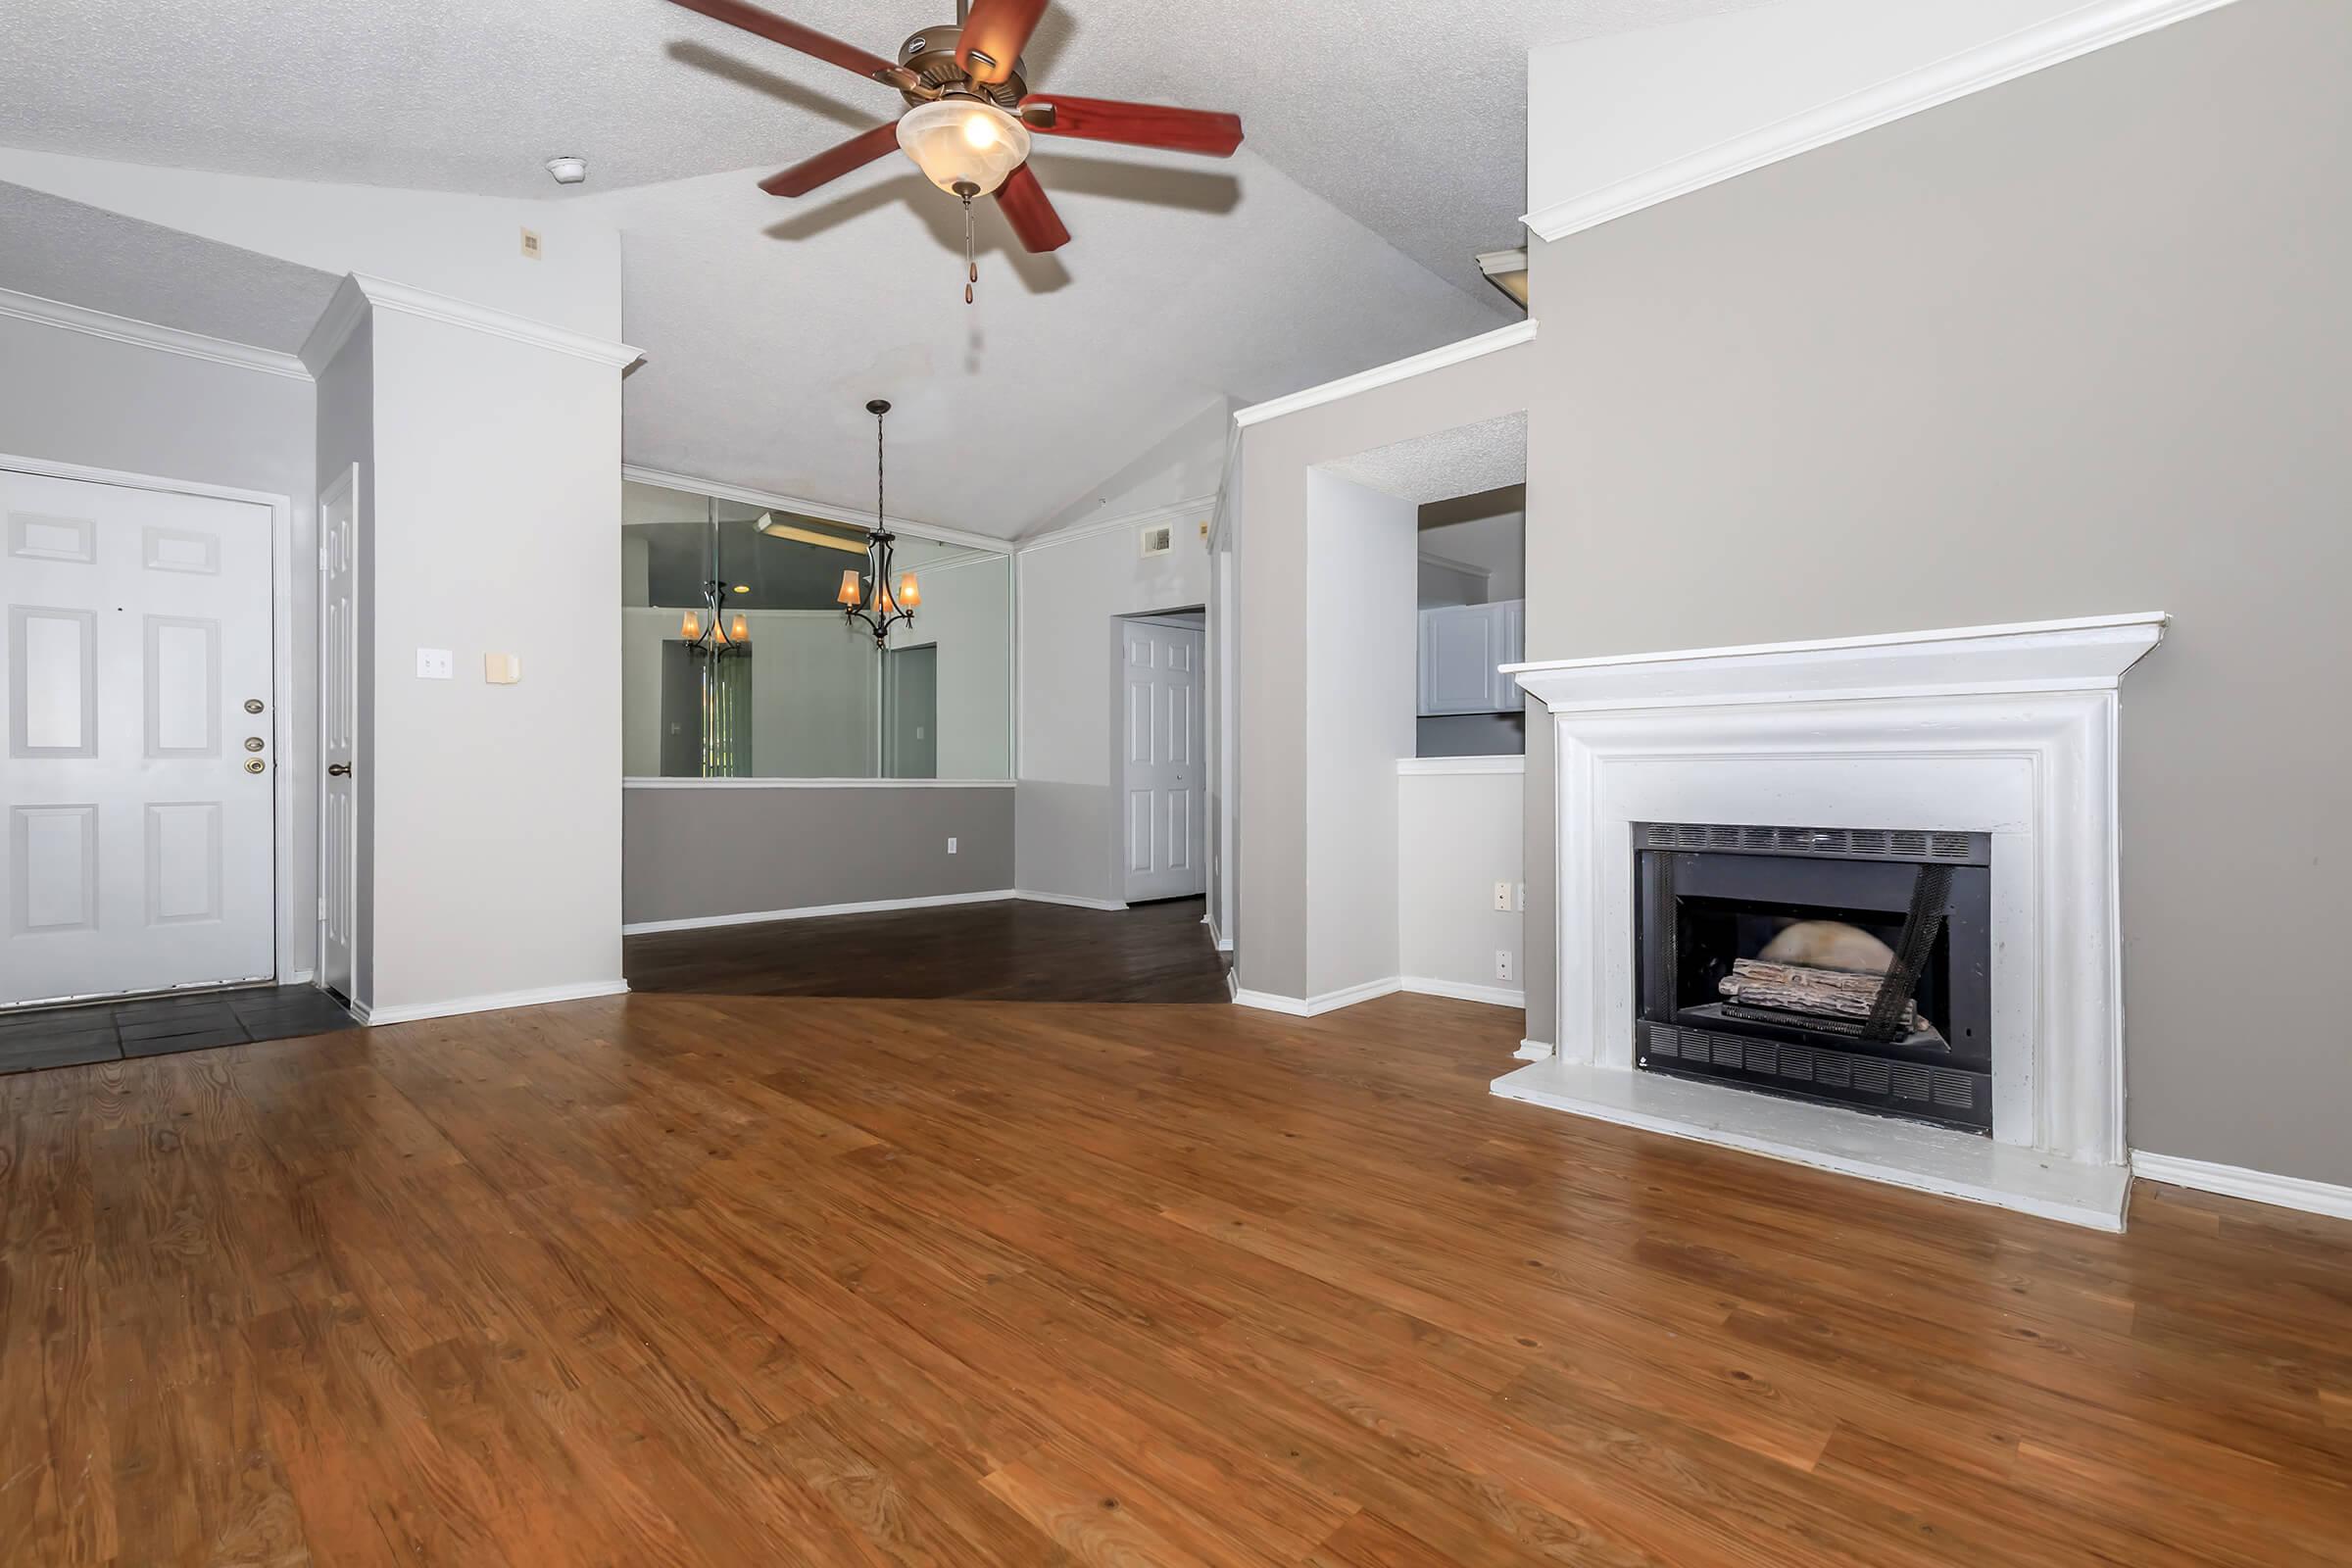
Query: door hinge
323, 558
322, 906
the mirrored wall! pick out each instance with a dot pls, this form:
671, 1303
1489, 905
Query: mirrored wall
789, 686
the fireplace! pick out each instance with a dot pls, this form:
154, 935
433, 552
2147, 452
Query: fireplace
1845, 965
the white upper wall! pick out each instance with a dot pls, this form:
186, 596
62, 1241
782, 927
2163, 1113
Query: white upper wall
1623, 122
467, 247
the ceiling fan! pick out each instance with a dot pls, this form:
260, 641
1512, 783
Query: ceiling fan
970, 111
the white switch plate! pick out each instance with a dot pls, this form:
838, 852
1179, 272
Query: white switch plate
1502, 896
1502, 964
950, 846
436, 663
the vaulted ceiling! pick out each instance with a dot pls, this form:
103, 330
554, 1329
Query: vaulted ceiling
1386, 145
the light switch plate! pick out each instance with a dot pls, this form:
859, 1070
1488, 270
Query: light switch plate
502, 669
436, 663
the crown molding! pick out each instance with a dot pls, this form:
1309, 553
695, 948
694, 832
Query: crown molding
1193, 509
2078, 32
1404, 369
385, 295
149, 335
358, 292
824, 511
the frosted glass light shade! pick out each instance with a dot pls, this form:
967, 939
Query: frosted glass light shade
963, 141
850, 593
910, 593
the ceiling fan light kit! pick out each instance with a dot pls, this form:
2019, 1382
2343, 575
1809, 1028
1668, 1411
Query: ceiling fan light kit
970, 113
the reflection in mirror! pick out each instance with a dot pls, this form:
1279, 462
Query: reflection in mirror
780, 684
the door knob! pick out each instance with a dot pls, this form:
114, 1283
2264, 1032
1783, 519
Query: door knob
339, 769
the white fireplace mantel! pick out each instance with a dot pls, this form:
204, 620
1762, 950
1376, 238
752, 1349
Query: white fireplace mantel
2003, 730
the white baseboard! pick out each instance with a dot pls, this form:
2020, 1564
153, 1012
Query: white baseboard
1534, 1050
1316, 1007
811, 911
409, 1012
2236, 1181
1492, 995
1072, 900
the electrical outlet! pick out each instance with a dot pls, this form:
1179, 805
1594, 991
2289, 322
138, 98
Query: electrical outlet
950, 846
1502, 896
1502, 964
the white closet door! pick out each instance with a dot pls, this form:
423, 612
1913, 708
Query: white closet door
1166, 813
139, 849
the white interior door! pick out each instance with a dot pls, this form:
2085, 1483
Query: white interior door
338, 730
139, 849
1166, 809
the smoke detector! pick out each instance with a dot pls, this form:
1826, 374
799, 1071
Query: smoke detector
567, 170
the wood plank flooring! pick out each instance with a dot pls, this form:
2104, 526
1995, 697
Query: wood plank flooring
1014, 950
685, 1280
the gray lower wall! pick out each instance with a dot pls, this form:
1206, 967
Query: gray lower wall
1064, 834
692, 853
2076, 344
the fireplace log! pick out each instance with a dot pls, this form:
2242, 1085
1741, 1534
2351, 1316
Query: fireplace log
1802, 989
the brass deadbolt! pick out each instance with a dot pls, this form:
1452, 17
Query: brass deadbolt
254, 764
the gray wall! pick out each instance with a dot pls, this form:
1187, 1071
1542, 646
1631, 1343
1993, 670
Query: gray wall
73, 398
709, 851
2076, 344
1270, 565
1071, 590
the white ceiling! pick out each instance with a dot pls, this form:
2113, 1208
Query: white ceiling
1407, 115
1467, 459
1190, 282
1386, 145
62, 250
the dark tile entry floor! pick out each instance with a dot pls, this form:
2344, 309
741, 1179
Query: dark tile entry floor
158, 1026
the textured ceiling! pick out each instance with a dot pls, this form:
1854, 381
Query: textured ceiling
62, 250
769, 324
1407, 115
1468, 460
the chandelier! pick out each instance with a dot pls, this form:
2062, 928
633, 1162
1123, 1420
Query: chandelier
887, 601
710, 630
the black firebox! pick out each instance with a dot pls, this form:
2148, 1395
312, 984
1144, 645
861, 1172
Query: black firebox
1821, 902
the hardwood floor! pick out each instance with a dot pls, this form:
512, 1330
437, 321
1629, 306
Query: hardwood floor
1014, 950
669, 1280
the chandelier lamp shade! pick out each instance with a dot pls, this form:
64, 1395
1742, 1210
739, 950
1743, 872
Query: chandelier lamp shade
878, 598
710, 629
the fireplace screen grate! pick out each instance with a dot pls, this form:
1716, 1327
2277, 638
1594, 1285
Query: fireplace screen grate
1846, 843
1908, 1086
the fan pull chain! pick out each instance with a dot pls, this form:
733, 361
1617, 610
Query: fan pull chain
972, 268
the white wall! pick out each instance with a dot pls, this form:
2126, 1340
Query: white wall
72, 398
1360, 687
1457, 835
1070, 589
497, 821
468, 247
1623, 120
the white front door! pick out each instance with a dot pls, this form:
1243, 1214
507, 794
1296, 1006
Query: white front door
137, 787
1165, 809
338, 730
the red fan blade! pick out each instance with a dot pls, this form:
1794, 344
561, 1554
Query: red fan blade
834, 162
993, 35
1183, 130
1035, 222
808, 41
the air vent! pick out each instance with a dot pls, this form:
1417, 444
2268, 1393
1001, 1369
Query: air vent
1851, 844
1157, 540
